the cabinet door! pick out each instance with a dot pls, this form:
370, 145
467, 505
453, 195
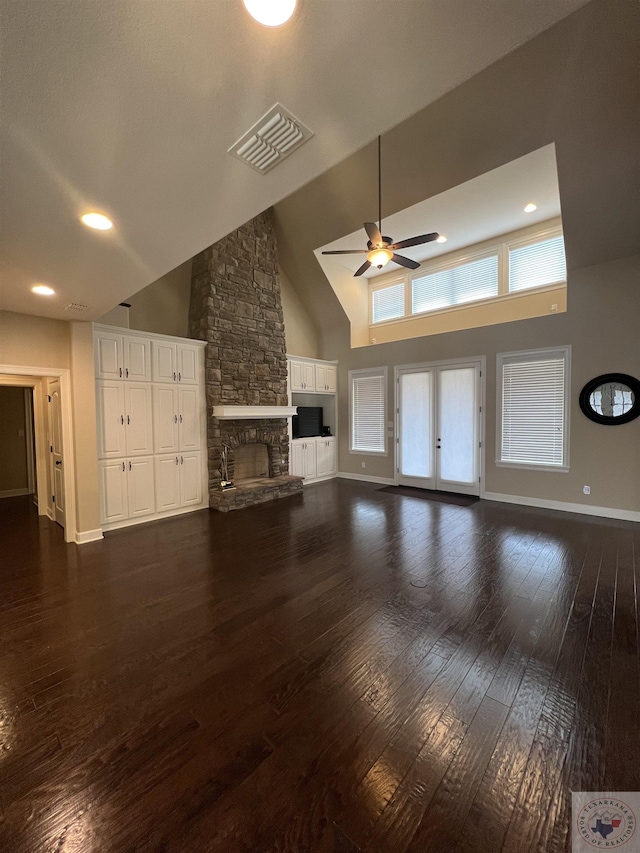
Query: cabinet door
163, 361
167, 482
296, 377
140, 494
108, 355
309, 459
297, 458
110, 419
190, 479
137, 359
189, 418
332, 379
113, 490
321, 377
322, 457
308, 376
165, 418
187, 363
138, 418
332, 456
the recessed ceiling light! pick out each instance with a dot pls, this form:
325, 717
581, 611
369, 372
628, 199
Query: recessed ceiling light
97, 220
43, 289
441, 239
271, 13
530, 207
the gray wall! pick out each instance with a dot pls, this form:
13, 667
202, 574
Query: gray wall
576, 85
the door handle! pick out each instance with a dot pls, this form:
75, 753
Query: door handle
126, 372
175, 419
174, 376
123, 466
128, 419
129, 465
180, 418
58, 462
181, 460
176, 460
122, 419
179, 377
120, 373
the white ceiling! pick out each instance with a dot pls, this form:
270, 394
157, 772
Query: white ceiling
130, 107
485, 207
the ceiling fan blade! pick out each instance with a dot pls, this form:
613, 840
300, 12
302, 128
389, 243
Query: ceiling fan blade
405, 262
415, 241
347, 252
365, 266
373, 232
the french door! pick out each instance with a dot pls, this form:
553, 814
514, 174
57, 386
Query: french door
439, 426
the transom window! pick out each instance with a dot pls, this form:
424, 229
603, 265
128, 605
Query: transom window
505, 269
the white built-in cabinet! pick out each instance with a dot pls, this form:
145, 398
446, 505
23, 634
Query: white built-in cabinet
314, 458
151, 425
314, 383
321, 377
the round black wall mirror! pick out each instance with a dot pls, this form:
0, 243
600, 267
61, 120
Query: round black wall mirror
613, 398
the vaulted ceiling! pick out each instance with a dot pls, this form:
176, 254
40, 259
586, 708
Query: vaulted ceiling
130, 107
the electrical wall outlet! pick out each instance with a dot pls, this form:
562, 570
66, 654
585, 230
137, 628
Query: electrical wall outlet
364, 464
586, 490
554, 307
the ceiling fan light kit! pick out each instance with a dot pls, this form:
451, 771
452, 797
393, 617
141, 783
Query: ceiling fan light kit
380, 249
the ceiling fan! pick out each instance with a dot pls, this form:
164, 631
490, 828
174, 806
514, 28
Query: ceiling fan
380, 249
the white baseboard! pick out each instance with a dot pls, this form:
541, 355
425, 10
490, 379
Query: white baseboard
563, 506
14, 493
82, 537
146, 519
49, 513
384, 481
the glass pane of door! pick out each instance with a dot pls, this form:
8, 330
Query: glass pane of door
416, 419
457, 427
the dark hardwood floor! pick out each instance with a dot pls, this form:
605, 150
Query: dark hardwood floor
339, 671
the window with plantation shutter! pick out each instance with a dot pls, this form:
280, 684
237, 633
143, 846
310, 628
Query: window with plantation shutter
387, 303
537, 264
533, 406
456, 285
368, 413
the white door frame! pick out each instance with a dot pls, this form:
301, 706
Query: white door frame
430, 365
64, 374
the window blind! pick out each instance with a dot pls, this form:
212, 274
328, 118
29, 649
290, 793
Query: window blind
368, 412
465, 283
387, 303
533, 411
537, 264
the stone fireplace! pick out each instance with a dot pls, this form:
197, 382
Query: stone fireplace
235, 306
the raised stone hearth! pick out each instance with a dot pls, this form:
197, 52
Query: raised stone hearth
235, 307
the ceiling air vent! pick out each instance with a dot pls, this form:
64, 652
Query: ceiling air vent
270, 140
75, 306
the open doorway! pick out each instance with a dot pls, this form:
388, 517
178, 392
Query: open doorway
17, 451
47, 462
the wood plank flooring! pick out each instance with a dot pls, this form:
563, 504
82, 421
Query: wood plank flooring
341, 670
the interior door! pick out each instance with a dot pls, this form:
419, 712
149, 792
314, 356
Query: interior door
439, 427
57, 459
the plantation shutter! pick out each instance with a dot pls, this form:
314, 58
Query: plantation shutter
387, 303
537, 264
465, 283
368, 412
533, 410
